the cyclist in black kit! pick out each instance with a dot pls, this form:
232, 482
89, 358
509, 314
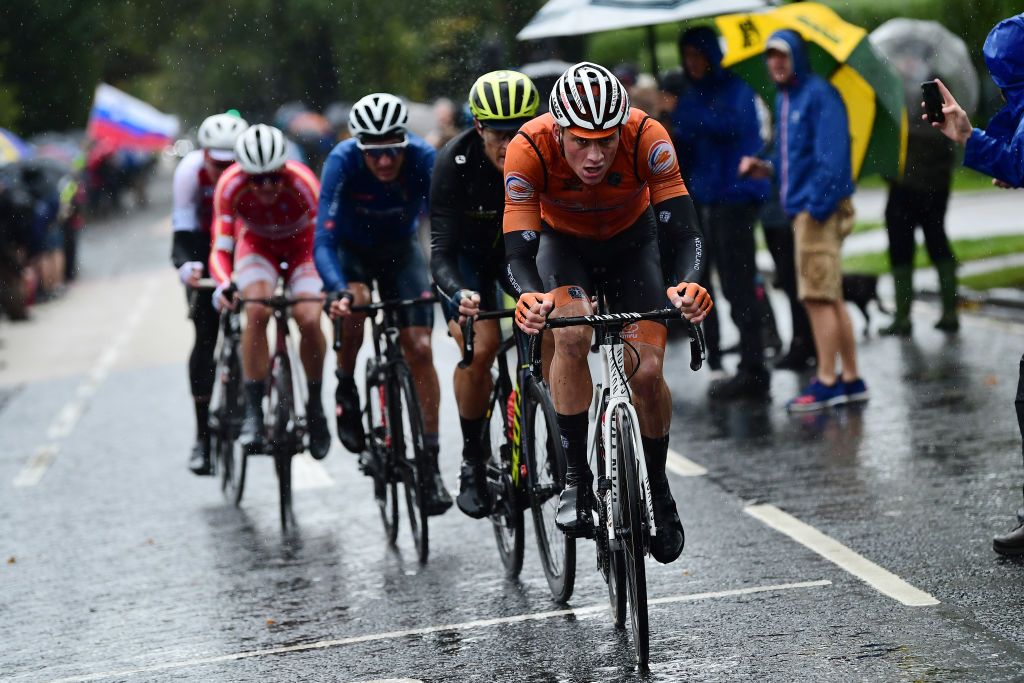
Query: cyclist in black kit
467, 200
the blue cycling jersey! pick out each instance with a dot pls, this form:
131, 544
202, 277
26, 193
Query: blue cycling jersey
360, 211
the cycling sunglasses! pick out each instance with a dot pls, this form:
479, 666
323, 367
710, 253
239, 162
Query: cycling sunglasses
264, 179
390, 150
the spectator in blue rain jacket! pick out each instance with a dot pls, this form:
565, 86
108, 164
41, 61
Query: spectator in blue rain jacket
812, 165
716, 125
998, 151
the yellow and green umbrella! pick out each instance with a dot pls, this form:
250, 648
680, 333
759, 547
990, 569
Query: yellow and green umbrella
841, 53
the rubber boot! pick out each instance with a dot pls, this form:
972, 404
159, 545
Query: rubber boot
950, 321
903, 280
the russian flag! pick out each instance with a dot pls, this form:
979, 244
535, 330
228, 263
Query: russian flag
126, 121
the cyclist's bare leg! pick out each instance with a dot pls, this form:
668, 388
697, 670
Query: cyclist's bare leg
352, 330
313, 346
255, 350
569, 375
415, 342
651, 396
473, 384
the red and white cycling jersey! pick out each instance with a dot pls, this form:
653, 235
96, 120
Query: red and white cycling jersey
274, 229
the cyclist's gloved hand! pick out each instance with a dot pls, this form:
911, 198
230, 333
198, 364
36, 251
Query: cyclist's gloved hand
190, 272
532, 311
341, 304
692, 300
469, 304
224, 297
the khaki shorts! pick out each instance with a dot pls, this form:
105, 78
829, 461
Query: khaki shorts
819, 271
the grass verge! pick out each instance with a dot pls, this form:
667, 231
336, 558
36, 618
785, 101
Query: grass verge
877, 262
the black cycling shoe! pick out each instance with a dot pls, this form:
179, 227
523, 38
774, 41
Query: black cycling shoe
574, 517
200, 463
474, 498
667, 546
349, 420
438, 499
1010, 544
319, 435
251, 436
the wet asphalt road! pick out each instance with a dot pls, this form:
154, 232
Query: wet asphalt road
117, 564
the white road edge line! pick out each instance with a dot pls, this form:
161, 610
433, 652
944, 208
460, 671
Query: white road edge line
33, 470
684, 467
392, 635
880, 579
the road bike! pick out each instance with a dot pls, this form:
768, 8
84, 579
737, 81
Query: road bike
622, 506
395, 452
526, 465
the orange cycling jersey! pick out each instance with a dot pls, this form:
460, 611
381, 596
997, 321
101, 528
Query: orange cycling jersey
540, 184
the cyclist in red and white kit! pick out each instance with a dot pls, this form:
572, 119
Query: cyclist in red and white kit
194, 181
264, 214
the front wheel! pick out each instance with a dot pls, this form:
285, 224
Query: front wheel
229, 420
631, 527
410, 457
281, 432
377, 460
545, 459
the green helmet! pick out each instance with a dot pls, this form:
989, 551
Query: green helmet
503, 99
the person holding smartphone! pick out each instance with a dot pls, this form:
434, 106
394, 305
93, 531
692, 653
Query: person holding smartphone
997, 151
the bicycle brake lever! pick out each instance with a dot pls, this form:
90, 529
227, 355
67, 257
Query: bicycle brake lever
698, 346
467, 341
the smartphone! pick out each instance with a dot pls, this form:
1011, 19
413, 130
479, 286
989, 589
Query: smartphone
933, 101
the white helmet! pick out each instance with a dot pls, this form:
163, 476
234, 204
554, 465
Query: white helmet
261, 149
378, 114
589, 97
220, 131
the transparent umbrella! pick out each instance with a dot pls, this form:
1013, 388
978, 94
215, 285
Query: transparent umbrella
921, 50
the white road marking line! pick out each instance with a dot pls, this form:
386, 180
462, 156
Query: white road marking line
880, 579
392, 635
307, 473
684, 467
62, 426
36, 466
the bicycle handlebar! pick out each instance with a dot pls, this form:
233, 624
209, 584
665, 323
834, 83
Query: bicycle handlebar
389, 305
698, 346
468, 332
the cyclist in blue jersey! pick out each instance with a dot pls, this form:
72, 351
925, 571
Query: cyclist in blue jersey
373, 189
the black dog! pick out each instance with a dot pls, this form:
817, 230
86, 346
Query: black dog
860, 289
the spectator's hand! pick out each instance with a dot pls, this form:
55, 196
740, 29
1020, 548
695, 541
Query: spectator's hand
532, 311
190, 273
957, 126
469, 304
341, 305
225, 296
692, 300
754, 168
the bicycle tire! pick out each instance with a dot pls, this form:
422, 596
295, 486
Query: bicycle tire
410, 458
281, 414
507, 510
546, 477
231, 455
379, 463
629, 525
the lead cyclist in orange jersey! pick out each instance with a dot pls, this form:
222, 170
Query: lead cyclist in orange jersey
589, 189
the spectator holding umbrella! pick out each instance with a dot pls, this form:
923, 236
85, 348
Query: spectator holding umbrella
998, 151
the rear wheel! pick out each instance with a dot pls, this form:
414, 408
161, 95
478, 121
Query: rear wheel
410, 458
506, 508
281, 431
377, 457
546, 479
630, 523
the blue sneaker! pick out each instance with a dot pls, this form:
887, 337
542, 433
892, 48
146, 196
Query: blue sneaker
856, 391
817, 396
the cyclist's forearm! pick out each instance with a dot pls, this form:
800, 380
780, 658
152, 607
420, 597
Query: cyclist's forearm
521, 261
677, 221
188, 245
